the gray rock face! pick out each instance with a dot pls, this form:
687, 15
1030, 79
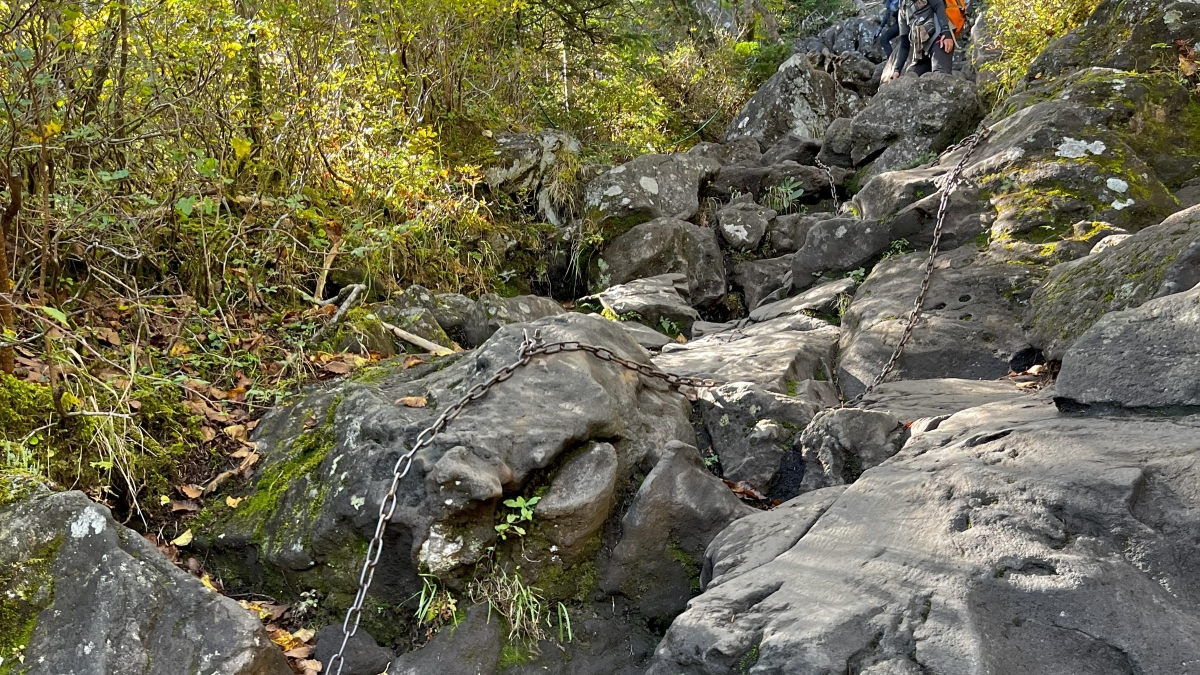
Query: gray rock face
838, 144
788, 232
916, 399
798, 99
578, 501
362, 656
793, 148
667, 246
676, 513
1146, 357
98, 599
451, 314
778, 355
1096, 44
492, 311
752, 428
758, 278
912, 118
649, 187
662, 297
646, 336
526, 164
1158, 261
340, 469
1008, 527
759, 538
821, 299
744, 151
838, 245
743, 224
840, 444
969, 327
471, 648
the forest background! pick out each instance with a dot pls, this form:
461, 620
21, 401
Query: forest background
188, 180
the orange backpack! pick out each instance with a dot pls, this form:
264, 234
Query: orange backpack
956, 11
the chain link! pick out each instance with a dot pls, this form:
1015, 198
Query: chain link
832, 185
530, 348
948, 184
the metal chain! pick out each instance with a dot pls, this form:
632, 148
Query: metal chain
530, 347
832, 185
948, 185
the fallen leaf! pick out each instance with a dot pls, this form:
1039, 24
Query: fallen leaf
135, 405
248, 462
310, 666
236, 431
255, 608
192, 491
218, 481
208, 433
305, 634
183, 539
110, 336
413, 360
180, 349
240, 453
185, 505
338, 367
301, 652
232, 502
218, 393
164, 500
208, 583
413, 401
284, 639
745, 490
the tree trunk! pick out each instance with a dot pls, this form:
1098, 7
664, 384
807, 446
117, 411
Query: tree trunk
7, 328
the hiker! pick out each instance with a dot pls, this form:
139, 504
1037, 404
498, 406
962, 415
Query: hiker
927, 36
889, 26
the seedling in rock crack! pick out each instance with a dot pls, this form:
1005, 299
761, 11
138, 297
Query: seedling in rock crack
512, 522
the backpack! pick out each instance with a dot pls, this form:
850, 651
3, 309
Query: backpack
956, 11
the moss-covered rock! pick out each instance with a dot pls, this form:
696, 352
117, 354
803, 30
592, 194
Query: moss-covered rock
1157, 261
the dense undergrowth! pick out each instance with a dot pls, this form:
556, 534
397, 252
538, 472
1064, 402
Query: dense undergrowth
193, 175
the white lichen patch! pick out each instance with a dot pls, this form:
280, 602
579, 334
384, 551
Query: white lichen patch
1072, 148
89, 521
648, 184
1117, 185
438, 553
1122, 205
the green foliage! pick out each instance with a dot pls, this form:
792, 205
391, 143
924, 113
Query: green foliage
1020, 31
897, 248
522, 513
435, 605
785, 197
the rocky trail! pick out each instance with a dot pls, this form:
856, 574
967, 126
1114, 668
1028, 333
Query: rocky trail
1020, 495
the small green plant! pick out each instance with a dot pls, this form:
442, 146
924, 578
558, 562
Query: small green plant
521, 605
784, 197
435, 605
899, 247
564, 625
309, 601
669, 327
512, 522
748, 661
857, 275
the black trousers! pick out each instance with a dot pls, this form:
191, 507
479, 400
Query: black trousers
886, 37
937, 61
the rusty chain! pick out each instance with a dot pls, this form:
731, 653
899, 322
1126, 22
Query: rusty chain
948, 183
530, 348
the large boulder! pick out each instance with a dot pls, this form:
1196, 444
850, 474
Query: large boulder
969, 325
667, 246
793, 148
1158, 261
798, 99
758, 278
782, 356
327, 464
913, 119
752, 429
1120, 35
531, 165
743, 224
913, 400
787, 233
649, 187
654, 302
492, 311
838, 245
79, 593
1146, 357
822, 299
1011, 539
742, 152
677, 512
840, 444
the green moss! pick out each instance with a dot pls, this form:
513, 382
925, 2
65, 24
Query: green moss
692, 568
512, 655
792, 387
748, 660
25, 590
16, 484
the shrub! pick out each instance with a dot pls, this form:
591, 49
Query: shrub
1020, 30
